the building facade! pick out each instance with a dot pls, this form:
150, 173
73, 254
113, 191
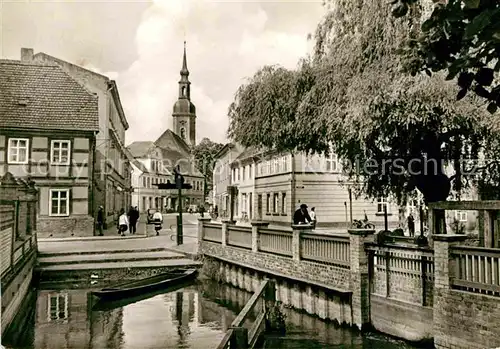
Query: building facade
222, 177
271, 187
48, 134
112, 187
154, 161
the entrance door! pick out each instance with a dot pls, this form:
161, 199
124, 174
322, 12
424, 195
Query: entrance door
259, 206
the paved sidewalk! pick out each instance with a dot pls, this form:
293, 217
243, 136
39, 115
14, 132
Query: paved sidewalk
123, 244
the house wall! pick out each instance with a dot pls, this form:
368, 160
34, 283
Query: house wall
74, 177
112, 189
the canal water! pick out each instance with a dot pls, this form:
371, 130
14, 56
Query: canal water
194, 317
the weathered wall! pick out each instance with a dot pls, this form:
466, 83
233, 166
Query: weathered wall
327, 275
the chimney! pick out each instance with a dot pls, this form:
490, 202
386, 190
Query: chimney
26, 54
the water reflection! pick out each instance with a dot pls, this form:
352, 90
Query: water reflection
195, 317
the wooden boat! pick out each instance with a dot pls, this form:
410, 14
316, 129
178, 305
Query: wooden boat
110, 304
139, 287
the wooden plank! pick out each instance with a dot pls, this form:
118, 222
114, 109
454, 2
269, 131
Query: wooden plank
255, 332
224, 343
476, 251
475, 285
466, 205
240, 319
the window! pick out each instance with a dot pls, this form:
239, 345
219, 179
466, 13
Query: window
283, 203
58, 307
331, 163
60, 152
284, 161
381, 203
184, 91
18, 150
183, 133
244, 202
144, 182
268, 203
244, 173
461, 216
276, 203
143, 203
59, 202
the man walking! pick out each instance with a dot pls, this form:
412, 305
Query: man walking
100, 220
301, 216
133, 216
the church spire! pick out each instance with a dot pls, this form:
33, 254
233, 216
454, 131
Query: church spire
184, 88
184, 70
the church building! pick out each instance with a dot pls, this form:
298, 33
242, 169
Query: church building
153, 161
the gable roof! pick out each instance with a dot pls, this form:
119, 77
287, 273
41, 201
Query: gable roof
170, 140
68, 67
43, 96
140, 149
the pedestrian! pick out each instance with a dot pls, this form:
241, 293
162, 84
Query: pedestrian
301, 216
100, 220
411, 225
313, 217
157, 220
122, 223
133, 216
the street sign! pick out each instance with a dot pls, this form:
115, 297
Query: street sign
179, 185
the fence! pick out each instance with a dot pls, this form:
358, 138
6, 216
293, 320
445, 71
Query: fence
476, 269
404, 273
239, 337
311, 246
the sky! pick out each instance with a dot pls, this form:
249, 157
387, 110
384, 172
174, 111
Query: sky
139, 44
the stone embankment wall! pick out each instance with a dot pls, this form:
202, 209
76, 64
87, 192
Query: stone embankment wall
415, 293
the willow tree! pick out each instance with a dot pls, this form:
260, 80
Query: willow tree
399, 131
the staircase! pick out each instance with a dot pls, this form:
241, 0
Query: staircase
103, 268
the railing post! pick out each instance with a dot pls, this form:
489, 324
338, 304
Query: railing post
359, 276
443, 270
423, 267
298, 229
239, 338
255, 234
201, 233
225, 224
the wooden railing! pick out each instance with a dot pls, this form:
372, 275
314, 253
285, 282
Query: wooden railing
402, 272
275, 241
326, 248
239, 236
212, 232
239, 337
476, 269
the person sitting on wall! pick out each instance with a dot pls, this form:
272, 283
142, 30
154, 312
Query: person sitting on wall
313, 216
301, 216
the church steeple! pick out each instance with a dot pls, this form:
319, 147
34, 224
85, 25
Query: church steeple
184, 111
184, 84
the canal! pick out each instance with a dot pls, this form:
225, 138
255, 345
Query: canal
195, 316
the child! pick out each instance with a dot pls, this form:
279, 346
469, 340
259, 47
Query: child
122, 223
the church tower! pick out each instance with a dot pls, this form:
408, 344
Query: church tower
184, 113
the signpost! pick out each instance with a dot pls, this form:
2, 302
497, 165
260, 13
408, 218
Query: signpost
179, 185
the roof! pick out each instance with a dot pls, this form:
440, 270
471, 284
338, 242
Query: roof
170, 140
223, 150
140, 149
173, 149
248, 153
111, 84
43, 96
139, 165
